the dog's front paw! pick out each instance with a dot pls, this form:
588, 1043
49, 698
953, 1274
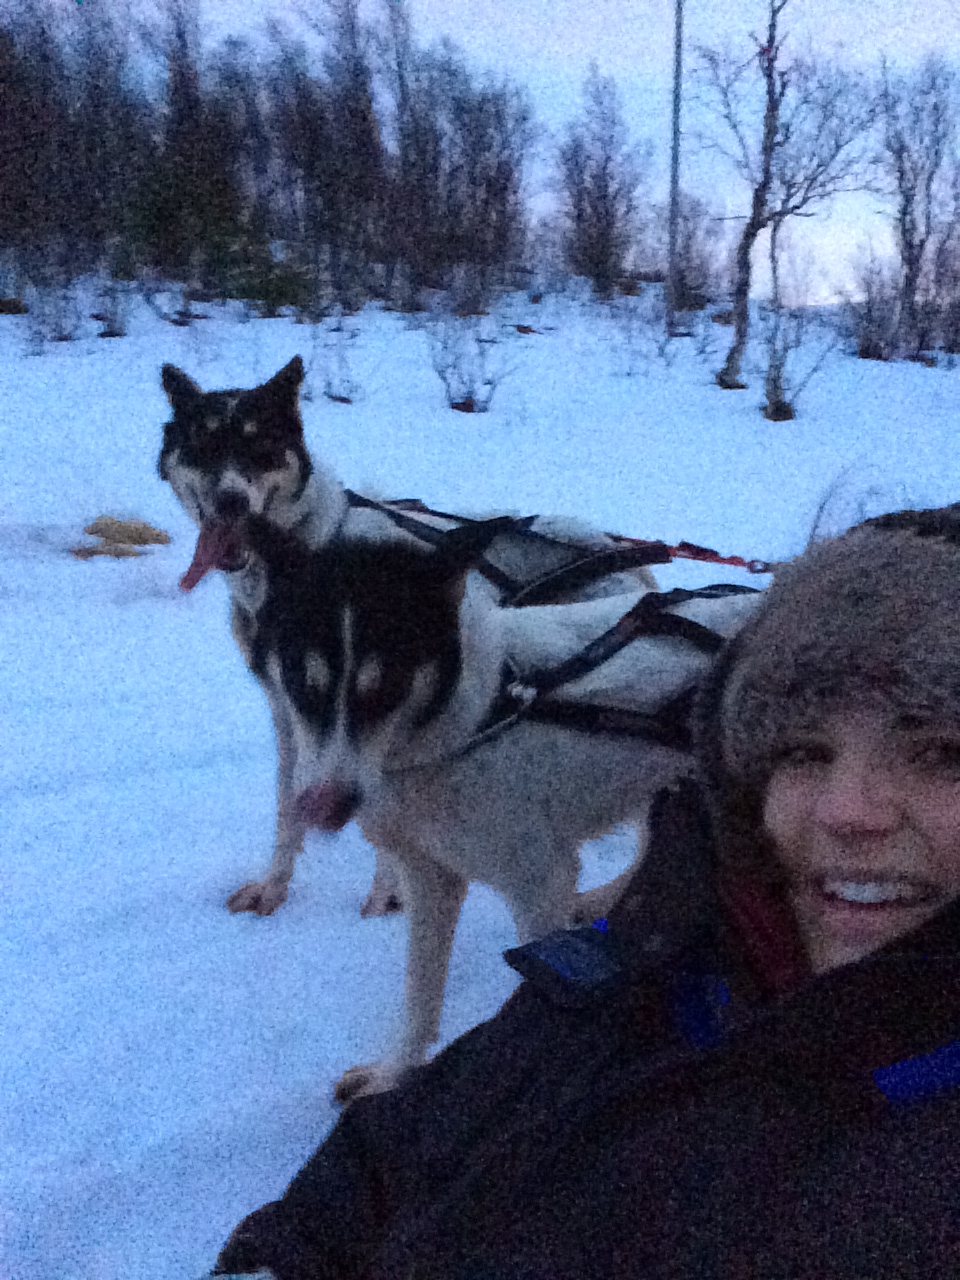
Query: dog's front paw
260, 896
362, 1081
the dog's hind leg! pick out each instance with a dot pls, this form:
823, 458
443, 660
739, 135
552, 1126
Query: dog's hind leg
386, 892
264, 896
594, 903
434, 896
543, 906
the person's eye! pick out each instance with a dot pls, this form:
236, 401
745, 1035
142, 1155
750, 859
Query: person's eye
941, 755
796, 755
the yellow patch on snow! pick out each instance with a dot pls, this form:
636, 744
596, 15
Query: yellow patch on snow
120, 538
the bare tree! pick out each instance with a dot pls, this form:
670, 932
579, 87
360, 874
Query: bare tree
599, 174
459, 149
920, 169
355, 191
870, 309
805, 145
460, 348
699, 253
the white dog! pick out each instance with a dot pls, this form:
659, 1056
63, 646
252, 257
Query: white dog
232, 455
387, 664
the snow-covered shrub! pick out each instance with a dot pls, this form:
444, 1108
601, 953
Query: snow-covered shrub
465, 356
872, 316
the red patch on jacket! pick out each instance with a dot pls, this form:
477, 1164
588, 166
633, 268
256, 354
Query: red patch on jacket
768, 934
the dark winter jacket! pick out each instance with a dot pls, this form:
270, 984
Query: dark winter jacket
673, 1098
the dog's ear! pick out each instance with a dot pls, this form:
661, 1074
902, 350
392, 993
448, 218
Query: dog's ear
181, 390
464, 547
285, 384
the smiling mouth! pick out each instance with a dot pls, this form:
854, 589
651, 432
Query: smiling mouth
875, 895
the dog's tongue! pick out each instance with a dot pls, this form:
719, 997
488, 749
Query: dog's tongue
328, 806
217, 548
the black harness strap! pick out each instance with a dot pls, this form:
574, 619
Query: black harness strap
543, 590
598, 564
419, 528
648, 617
414, 504
669, 725
429, 534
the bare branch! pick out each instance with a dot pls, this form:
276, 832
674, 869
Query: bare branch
796, 131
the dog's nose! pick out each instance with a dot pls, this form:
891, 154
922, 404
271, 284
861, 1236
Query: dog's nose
328, 805
231, 505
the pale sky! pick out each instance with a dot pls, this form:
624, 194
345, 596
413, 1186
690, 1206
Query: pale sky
548, 45
635, 37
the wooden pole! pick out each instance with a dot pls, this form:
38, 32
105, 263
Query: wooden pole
672, 266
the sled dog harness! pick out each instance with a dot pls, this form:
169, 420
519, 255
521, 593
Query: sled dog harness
669, 725
407, 513
529, 698
624, 553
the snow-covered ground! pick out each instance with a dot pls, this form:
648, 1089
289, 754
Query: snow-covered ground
166, 1067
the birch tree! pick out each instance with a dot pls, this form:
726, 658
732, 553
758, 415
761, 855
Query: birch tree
796, 133
921, 173
599, 175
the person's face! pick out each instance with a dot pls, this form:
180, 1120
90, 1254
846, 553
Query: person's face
864, 812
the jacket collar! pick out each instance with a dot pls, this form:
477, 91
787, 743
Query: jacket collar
679, 905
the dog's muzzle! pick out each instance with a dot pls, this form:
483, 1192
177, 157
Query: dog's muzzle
328, 806
231, 505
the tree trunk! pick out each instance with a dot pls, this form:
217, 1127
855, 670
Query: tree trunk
909, 336
729, 376
777, 407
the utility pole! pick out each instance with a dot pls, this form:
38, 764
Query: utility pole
672, 266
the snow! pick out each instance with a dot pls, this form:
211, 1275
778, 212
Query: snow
167, 1067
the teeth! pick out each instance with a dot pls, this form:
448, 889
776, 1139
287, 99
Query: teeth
870, 891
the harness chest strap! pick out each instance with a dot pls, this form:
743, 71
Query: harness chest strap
668, 725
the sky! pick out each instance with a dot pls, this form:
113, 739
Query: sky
634, 38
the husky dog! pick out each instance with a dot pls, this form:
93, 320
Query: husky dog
233, 455
386, 661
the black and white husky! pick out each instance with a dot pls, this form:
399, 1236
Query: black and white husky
386, 663
239, 454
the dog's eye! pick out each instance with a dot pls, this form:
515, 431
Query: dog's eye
204, 443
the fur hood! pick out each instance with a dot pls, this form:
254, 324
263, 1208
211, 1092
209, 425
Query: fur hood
873, 614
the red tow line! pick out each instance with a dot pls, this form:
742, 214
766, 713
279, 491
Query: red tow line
690, 551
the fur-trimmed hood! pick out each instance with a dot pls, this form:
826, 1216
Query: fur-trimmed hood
873, 614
